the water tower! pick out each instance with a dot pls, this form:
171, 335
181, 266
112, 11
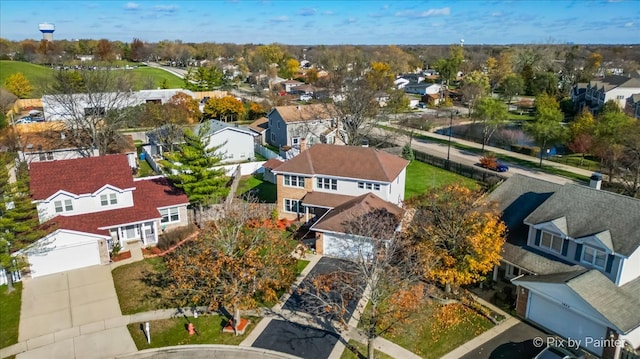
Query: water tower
47, 30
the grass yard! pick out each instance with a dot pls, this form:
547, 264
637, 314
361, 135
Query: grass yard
422, 177
301, 265
169, 332
143, 74
10, 308
576, 160
438, 329
37, 75
362, 352
266, 192
138, 287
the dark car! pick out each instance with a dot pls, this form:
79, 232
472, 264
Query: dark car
501, 167
552, 352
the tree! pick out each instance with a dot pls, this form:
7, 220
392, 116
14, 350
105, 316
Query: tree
18, 217
192, 168
226, 108
458, 239
499, 68
546, 82
512, 85
235, 261
546, 128
18, 85
105, 51
379, 76
474, 87
93, 105
187, 105
631, 160
255, 111
610, 130
407, 152
581, 133
203, 78
490, 113
7, 99
138, 51
290, 68
448, 68
382, 268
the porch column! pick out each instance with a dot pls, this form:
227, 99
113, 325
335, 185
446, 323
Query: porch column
495, 273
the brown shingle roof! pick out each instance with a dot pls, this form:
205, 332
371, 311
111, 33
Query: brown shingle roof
323, 199
336, 219
302, 113
272, 163
346, 161
80, 175
260, 125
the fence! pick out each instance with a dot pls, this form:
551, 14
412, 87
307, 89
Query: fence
478, 174
14, 275
265, 152
626, 354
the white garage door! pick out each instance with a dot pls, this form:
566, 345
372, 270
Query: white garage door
340, 246
564, 322
61, 259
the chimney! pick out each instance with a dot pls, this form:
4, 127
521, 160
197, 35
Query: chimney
303, 144
595, 181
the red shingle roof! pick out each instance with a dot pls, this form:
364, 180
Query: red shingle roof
346, 161
150, 194
80, 175
272, 163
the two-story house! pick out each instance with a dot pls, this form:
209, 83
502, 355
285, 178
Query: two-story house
597, 92
632, 107
324, 177
316, 123
87, 205
574, 254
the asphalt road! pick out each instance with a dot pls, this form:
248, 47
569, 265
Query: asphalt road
296, 339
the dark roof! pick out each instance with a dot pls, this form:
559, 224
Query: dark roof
336, 219
260, 125
80, 175
535, 261
620, 80
618, 305
346, 161
589, 211
516, 198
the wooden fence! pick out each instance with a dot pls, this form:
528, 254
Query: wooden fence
476, 173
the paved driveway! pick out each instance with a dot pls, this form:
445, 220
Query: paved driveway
310, 305
516, 342
296, 339
73, 315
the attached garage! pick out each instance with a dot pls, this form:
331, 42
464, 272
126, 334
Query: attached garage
64, 250
345, 246
563, 321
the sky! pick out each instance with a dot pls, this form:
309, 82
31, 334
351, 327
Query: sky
329, 22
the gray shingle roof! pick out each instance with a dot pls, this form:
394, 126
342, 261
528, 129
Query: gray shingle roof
617, 304
216, 126
534, 261
589, 211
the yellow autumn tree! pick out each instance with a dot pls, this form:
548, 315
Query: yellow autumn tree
457, 237
379, 76
18, 85
226, 108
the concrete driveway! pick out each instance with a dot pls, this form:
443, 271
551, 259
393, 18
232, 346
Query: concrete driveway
73, 314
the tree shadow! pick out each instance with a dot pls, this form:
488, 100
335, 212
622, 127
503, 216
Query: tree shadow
524, 349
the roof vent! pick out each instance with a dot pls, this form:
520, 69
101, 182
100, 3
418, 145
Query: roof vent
596, 180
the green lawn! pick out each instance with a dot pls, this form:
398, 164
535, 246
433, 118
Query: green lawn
36, 74
10, 314
138, 286
422, 177
143, 73
301, 265
575, 160
266, 191
169, 332
436, 331
361, 349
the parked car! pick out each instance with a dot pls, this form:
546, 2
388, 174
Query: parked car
305, 98
552, 352
26, 119
492, 163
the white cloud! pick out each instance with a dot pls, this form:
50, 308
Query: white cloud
131, 6
165, 8
280, 19
629, 24
307, 12
428, 13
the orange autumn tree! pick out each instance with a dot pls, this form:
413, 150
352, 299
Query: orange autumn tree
232, 263
457, 237
227, 108
187, 105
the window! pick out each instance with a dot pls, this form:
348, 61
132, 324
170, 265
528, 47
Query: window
594, 257
273, 137
292, 205
63, 206
170, 215
94, 111
131, 231
46, 156
295, 141
369, 186
620, 97
293, 181
328, 183
106, 200
552, 242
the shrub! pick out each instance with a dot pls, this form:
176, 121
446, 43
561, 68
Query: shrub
115, 249
171, 238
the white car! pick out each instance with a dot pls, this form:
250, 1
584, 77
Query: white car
306, 98
24, 120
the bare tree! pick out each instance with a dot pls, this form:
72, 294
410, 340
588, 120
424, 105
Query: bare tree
92, 103
381, 270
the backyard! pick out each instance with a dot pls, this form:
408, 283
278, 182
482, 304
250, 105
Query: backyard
10, 308
422, 177
264, 191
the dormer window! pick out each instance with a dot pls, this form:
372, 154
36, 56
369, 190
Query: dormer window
110, 199
63, 206
551, 242
595, 257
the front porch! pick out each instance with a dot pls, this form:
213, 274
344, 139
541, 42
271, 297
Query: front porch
497, 287
144, 233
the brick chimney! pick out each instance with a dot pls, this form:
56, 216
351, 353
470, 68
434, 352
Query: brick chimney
303, 144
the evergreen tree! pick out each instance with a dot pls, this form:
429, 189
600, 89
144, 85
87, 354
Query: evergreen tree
192, 170
18, 218
407, 152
